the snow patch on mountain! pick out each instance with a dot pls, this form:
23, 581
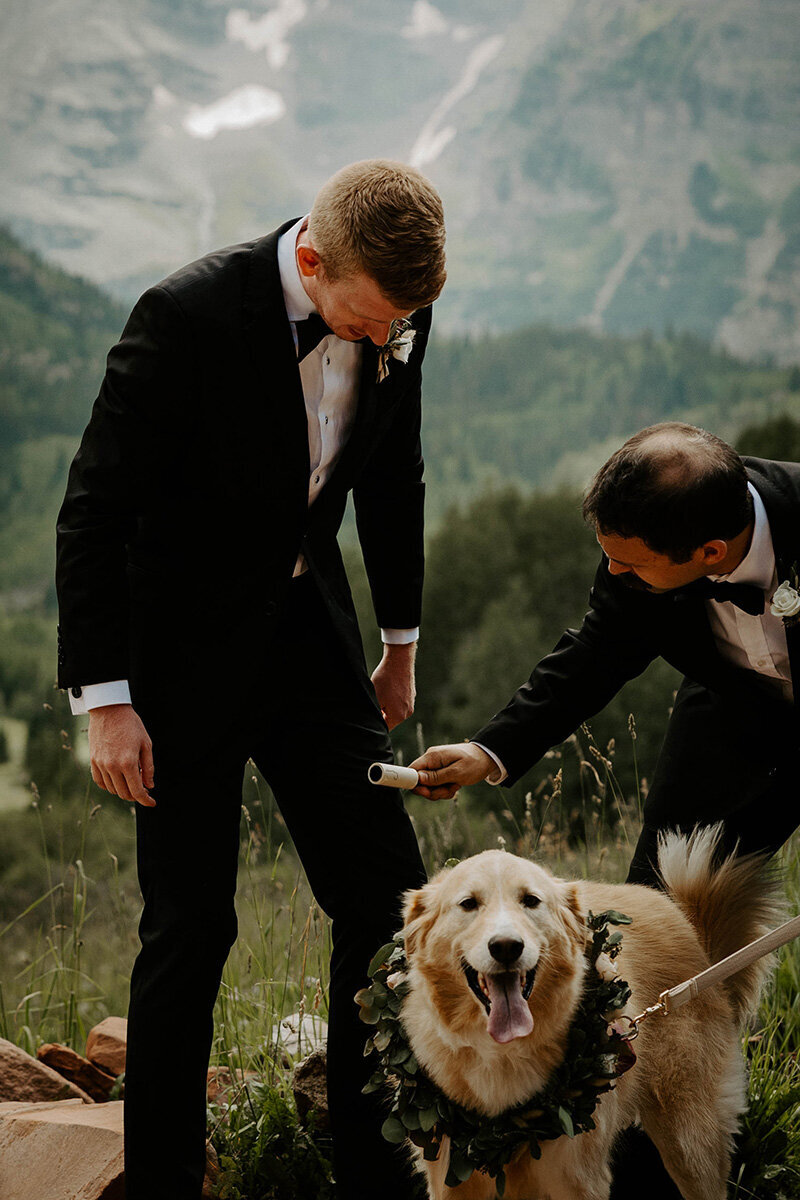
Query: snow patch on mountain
246, 106
434, 136
425, 21
268, 32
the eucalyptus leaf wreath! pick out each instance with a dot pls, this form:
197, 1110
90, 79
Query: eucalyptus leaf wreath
596, 1054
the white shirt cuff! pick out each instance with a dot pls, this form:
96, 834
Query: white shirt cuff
399, 637
496, 776
99, 695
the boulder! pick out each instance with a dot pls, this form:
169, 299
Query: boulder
302, 1034
106, 1045
94, 1081
310, 1088
69, 1151
23, 1078
62, 1151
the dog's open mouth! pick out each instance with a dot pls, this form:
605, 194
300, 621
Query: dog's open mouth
504, 995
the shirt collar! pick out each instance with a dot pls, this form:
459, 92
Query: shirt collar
298, 303
758, 565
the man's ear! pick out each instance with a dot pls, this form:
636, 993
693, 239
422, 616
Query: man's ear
309, 262
714, 552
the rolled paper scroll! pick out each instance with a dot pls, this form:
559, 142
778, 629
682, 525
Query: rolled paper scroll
388, 775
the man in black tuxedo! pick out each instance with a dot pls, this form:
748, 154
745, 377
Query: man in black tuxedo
696, 542
206, 618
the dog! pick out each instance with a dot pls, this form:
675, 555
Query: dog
496, 966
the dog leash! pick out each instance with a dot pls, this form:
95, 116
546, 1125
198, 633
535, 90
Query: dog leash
682, 993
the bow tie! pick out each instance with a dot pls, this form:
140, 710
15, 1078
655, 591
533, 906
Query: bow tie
747, 596
310, 333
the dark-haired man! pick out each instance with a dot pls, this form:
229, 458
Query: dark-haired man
206, 618
696, 542
700, 566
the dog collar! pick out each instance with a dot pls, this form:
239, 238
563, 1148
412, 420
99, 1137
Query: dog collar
595, 1056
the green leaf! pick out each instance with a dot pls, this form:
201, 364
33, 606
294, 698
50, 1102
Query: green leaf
382, 1039
617, 918
566, 1121
393, 1131
428, 1118
380, 958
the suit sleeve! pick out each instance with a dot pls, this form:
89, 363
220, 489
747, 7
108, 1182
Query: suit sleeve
585, 670
389, 502
133, 429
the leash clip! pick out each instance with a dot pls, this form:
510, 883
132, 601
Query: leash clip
633, 1032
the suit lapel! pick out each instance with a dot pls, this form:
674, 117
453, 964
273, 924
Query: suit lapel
275, 414
780, 490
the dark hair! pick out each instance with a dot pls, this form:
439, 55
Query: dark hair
673, 486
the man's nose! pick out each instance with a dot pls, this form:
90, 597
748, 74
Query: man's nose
379, 334
616, 568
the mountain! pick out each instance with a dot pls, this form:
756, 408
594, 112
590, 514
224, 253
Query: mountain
536, 408
55, 331
622, 165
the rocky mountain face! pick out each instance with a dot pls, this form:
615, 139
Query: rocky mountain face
621, 164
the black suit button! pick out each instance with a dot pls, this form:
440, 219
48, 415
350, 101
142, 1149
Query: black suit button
77, 692
270, 608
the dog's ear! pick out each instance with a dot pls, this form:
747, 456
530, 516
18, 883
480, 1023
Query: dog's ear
571, 914
416, 917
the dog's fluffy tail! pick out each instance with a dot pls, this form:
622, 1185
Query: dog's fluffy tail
730, 902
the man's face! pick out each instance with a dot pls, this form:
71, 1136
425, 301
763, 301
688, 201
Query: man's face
630, 556
354, 307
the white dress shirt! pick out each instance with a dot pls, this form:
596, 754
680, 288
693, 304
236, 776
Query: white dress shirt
329, 376
757, 643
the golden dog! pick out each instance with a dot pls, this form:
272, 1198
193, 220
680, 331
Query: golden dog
496, 963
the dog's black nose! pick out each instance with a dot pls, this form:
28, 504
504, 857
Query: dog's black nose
505, 950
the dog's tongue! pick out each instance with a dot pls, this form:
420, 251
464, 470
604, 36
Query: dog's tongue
509, 1016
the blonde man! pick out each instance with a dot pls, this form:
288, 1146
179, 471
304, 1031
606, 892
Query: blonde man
206, 618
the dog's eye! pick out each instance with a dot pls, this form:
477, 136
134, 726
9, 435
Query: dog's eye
469, 904
531, 901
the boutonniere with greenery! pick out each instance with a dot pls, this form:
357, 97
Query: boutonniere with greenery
596, 1054
786, 601
399, 345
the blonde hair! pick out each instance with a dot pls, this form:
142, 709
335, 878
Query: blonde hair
385, 219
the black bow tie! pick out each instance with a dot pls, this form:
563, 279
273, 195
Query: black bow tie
309, 334
747, 596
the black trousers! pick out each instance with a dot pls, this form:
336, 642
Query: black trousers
313, 736
721, 761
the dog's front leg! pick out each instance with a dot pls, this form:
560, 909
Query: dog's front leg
477, 1187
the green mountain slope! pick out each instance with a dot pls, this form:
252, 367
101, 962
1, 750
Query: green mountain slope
540, 408
626, 165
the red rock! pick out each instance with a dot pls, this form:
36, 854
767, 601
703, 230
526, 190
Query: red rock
62, 1151
223, 1085
106, 1044
25, 1079
78, 1070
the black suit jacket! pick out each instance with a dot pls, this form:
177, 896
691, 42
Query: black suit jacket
187, 502
625, 630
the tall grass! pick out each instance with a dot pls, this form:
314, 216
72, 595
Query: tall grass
65, 958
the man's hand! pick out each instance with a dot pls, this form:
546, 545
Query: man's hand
444, 769
121, 753
393, 680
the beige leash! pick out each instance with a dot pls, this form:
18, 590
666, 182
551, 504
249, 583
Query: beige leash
682, 993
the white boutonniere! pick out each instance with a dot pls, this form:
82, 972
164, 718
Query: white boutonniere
399, 346
786, 601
